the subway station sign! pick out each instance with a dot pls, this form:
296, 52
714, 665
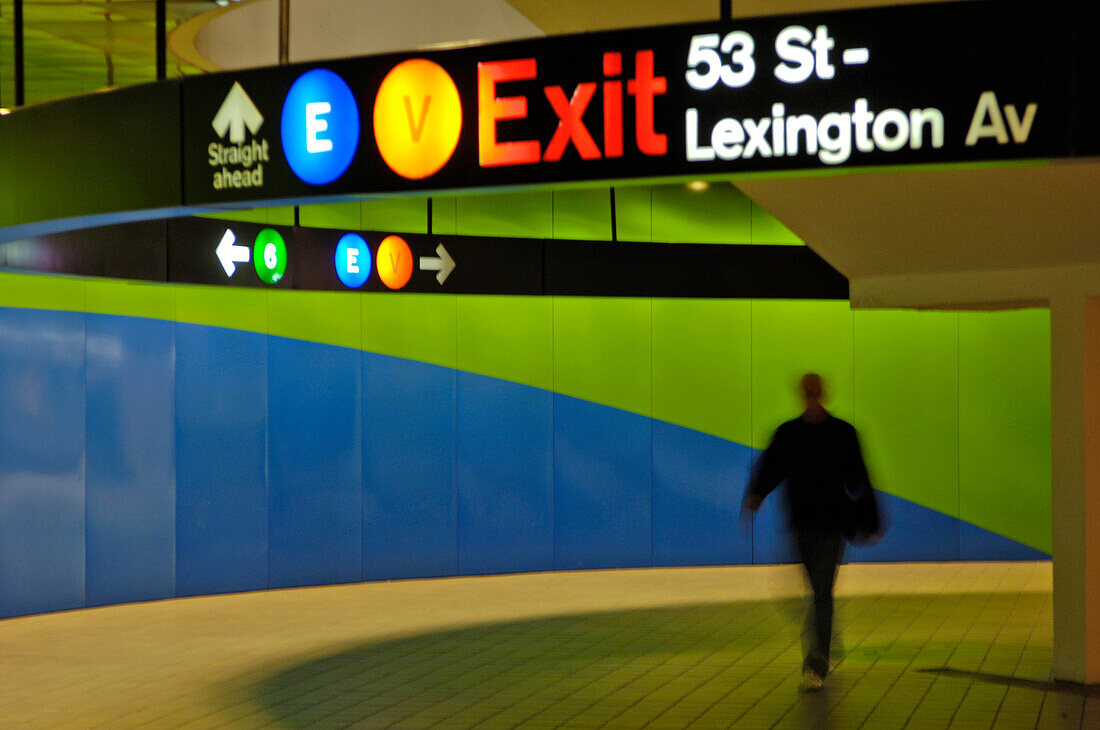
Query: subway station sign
952, 82
230, 253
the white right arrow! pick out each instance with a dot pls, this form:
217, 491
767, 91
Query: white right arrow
230, 255
444, 264
236, 113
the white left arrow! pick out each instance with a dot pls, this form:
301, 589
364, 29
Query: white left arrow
444, 264
229, 254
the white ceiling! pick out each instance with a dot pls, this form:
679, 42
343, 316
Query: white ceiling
932, 221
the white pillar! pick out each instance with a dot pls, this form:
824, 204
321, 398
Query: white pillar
1075, 498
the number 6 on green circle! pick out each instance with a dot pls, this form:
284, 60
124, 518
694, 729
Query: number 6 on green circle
269, 255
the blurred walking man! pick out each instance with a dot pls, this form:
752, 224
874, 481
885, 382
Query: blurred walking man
828, 498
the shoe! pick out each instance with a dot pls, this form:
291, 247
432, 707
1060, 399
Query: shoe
811, 681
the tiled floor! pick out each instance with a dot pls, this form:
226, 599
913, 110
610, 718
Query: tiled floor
924, 646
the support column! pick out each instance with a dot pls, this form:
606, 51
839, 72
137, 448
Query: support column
1075, 498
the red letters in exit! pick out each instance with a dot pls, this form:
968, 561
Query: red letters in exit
644, 87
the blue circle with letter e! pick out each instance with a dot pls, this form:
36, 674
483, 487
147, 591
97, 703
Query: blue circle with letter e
353, 260
320, 126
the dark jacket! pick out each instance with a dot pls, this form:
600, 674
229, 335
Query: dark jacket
828, 489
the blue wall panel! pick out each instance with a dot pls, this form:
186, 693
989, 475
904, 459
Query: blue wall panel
410, 522
42, 495
772, 542
913, 532
603, 469
504, 474
976, 543
221, 460
131, 499
315, 477
698, 481
141, 459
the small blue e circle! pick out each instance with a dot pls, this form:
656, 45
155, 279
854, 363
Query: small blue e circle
353, 260
320, 126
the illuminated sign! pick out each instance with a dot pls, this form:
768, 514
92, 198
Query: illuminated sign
240, 164
729, 64
352, 260
320, 126
206, 251
417, 118
319, 259
938, 83
395, 262
569, 111
229, 253
269, 256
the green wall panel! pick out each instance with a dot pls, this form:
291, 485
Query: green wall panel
525, 214
906, 403
791, 338
511, 338
718, 214
603, 351
280, 216
702, 365
675, 213
953, 408
223, 306
333, 318
42, 292
766, 229
331, 215
668, 213
413, 326
634, 213
252, 215
401, 215
1004, 423
583, 214
131, 298
443, 214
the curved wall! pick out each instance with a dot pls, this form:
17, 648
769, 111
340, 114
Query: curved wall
230, 440
161, 441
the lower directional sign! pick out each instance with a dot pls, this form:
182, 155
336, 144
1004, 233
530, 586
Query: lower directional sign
443, 263
207, 251
202, 251
230, 254
416, 262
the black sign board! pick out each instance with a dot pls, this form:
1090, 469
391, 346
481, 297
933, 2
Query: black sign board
951, 82
206, 251
218, 252
466, 264
124, 251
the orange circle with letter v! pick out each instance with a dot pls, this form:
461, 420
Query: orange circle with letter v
394, 262
417, 118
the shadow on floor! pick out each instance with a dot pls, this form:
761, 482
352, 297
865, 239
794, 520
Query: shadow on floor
715, 664
1066, 688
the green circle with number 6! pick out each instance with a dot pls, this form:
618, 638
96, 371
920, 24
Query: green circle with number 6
269, 255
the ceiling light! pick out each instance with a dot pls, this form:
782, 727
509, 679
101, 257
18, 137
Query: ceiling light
698, 186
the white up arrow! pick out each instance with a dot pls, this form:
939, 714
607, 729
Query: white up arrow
230, 255
444, 264
236, 113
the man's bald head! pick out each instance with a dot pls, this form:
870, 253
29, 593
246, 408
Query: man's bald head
812, 387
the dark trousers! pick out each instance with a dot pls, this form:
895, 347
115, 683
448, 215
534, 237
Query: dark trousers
820, 553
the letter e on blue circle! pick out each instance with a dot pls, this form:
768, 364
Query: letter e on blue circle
353, 260
320, 126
